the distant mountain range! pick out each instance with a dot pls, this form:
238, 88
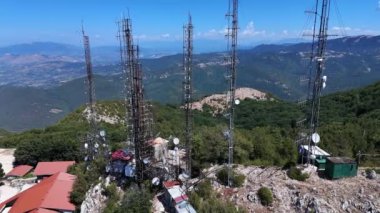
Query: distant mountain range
52, 85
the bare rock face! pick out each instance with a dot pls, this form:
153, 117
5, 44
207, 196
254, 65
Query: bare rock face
316, 194
94, 201
372, 175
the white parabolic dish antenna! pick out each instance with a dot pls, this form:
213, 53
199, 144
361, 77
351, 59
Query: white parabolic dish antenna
156, 181
237, 102
315, 137
176, 141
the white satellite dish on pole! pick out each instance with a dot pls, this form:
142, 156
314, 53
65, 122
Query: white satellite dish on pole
315, 137
175, 141
237, 102
102, 133
156, 181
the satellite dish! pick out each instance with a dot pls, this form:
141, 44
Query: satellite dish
315, 137
146, 160
156, 181
85, 145
175, 141
324, 78
102, 133
86, 158
323, 85
312, 157
96, 145
237, 102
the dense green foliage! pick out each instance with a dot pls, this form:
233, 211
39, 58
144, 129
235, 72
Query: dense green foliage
205, 200
296, 174
237, 179
85, 178
265, 195
136, 201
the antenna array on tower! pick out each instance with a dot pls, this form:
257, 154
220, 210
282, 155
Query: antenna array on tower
232, 62
188, 90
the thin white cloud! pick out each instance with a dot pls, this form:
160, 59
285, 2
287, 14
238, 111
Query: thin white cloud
166, 35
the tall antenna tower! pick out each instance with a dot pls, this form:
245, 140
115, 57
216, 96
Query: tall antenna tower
188, 89
91, 146
232, 45
317, 81
138, 118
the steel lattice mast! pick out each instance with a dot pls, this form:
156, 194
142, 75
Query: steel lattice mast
232, 36
91, 146
188, 90
138, 119
316, 77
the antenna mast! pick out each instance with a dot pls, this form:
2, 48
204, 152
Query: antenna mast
138, 118
317, 80
91, 146
232, 38
188, 89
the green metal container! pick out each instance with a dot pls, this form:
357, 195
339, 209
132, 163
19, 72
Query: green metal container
340, 167
320, 164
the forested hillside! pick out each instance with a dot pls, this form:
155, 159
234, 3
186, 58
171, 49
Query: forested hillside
265, 130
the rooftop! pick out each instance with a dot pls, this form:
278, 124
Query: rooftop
50, 168
19, 171
51, 194
341, 160
316, 150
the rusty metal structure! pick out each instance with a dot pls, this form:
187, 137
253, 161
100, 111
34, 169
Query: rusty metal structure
188, 90
138, 115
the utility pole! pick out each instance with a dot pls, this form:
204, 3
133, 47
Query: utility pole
232, 40
188, 90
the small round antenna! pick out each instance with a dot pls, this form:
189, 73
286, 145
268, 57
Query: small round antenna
102, 133
156, 181
237, 102
175, 141
315, 137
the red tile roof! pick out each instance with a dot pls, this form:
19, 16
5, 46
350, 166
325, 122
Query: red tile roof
19, 171
52, 193
170, 183
49, 168
41, 210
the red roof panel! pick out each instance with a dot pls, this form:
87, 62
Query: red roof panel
52, 193
170, 184
19, 171
50, 168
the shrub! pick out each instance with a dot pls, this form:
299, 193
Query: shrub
265, 196
296, 174
289, 165
237, 179
1, 171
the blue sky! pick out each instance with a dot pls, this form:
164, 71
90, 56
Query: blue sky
24, 21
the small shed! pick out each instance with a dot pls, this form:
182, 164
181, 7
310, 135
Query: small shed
19, 171
319, 154
340, 167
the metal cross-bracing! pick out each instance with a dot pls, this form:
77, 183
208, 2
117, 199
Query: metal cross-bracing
94, 143
188, 90
317, 79
232, 36
138, 116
